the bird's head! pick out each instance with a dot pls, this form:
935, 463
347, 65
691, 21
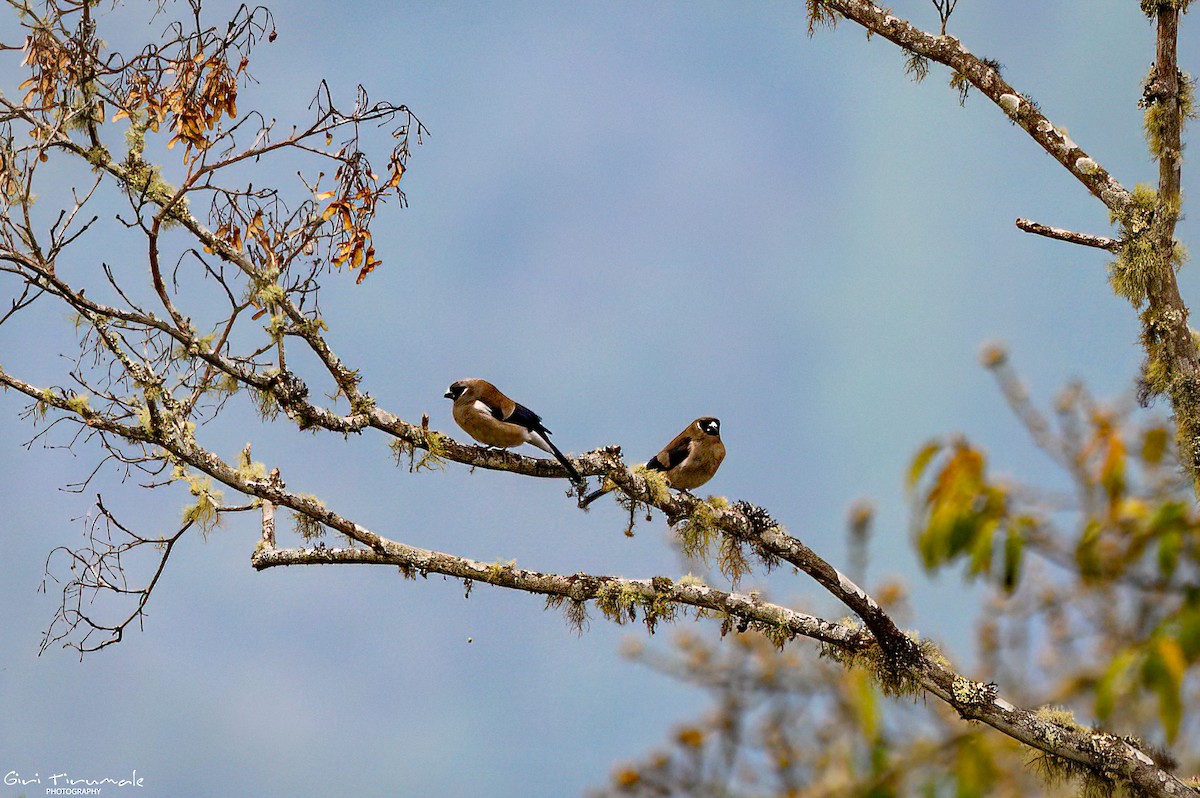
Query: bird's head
709, 425
456, 389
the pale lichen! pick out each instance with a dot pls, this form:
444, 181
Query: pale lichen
433, 451
78, 403
204, 512
306, 525
971, 693
1011, 104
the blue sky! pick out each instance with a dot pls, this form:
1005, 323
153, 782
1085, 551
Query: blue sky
625, 215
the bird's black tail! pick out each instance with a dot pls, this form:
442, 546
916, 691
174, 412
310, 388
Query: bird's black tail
562, 458
591, 497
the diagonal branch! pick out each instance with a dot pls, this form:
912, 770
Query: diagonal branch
619, 599
986, 77
616, 596
1070, 236
1173, 362
1145, 270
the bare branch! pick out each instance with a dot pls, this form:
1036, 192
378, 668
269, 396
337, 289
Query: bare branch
1070, 236
617, 596
99, 568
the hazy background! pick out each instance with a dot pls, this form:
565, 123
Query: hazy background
626, 215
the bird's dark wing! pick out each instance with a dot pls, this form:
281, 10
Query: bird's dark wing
522, 416
672, 455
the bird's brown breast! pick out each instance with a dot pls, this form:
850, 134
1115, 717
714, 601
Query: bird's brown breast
699, 466
485, 428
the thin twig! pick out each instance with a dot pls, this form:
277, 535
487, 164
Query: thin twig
1070, 236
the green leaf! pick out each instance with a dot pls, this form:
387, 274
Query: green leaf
865, 702
1169, 544
1188, 621
920, 462
981, 546
1154, 445
1163, 672
1086, 554
1013, 545
1114, 683
974, 769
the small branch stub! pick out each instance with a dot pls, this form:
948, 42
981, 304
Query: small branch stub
268, 524
268, 515
1070, 236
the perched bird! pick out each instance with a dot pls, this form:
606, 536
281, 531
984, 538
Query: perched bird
493, 419
689, 460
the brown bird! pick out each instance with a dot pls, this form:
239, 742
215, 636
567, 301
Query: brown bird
493, 419
689, 460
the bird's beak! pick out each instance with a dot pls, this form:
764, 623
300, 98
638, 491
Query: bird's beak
449, 395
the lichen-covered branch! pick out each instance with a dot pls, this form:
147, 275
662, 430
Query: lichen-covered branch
1147, 254
1147, 272
1106, 756
1070, 236
148, 378
985, 76
620, 599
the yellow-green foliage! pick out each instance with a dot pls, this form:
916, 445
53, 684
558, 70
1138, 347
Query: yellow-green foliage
701, 539
496, 570
226, 383
144, 181
964, 514
247, 468
892, 677
265, 403
1058, 716
1160, 665
968, 691
1151, 7
657, 484
204, 511
143, 416
268, 294
78, 403
194, 347
1158, 113
820, 16
619, 602
306, 526
43, 404
699, 531
433, 451
135, 135
1130, 274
